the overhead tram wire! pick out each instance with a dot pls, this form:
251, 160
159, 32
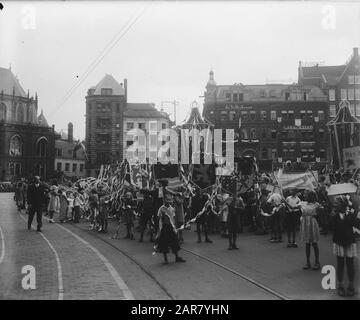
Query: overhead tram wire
90, 69
86, 72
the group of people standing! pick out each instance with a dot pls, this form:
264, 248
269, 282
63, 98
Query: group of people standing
166, 213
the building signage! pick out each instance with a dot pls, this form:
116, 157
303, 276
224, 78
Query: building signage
298, 127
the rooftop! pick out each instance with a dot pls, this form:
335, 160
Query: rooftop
109, 82
9, 82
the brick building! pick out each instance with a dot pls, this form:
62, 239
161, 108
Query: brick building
70, 155
272, 122
341, 82
108, 117
105, 103
27, 143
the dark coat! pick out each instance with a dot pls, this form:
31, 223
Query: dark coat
36, 196
343, 234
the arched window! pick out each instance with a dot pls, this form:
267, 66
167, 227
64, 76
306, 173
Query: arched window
41, 147
244, 134
15, 146
20, 113
253, 133
2, 112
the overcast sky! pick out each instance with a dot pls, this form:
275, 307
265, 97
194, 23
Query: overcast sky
168, 51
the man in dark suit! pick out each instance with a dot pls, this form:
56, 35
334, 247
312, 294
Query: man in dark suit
36, 201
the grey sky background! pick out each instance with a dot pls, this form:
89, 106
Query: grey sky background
167, 54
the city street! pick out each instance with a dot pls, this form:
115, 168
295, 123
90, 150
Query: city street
72, 262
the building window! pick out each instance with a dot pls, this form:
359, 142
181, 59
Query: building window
129, 143
141, 125
352, 109
305, 96
67, 167
244, 115
41, 147
244, 134
228, 96
15, 168
235, 97
241, 97
284, 134
15, 146
332, 95
2, 112
287, 96
321, 115
273, 154
163, 126
332, 111
263, 133
253, 133
20, 113
321, 133
343, 93
291, 115
59, 166
357, 110
310, 114
264, 153
263, 115
273, 115
273, 134
81, 168
118, 107
106, 91
351, 79
58, 152
284, 114
351, 94
357, 94
357, 79
291, 134
129, 125
302, 114
74, 168
232, 115
252, 115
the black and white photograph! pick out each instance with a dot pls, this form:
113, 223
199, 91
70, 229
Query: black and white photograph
197, 152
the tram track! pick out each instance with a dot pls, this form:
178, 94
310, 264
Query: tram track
240, 275
135, 261
244, 277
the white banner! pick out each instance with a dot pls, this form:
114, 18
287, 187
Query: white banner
351, 158
306, 180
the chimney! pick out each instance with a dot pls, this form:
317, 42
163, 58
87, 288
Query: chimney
356, 52
125, 87
70, 132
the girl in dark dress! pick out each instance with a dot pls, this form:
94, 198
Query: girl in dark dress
167, 236
342, 222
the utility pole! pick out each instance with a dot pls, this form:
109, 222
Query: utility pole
174, 103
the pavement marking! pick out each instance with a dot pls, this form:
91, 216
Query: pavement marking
60, 277
2, 245
119, 281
